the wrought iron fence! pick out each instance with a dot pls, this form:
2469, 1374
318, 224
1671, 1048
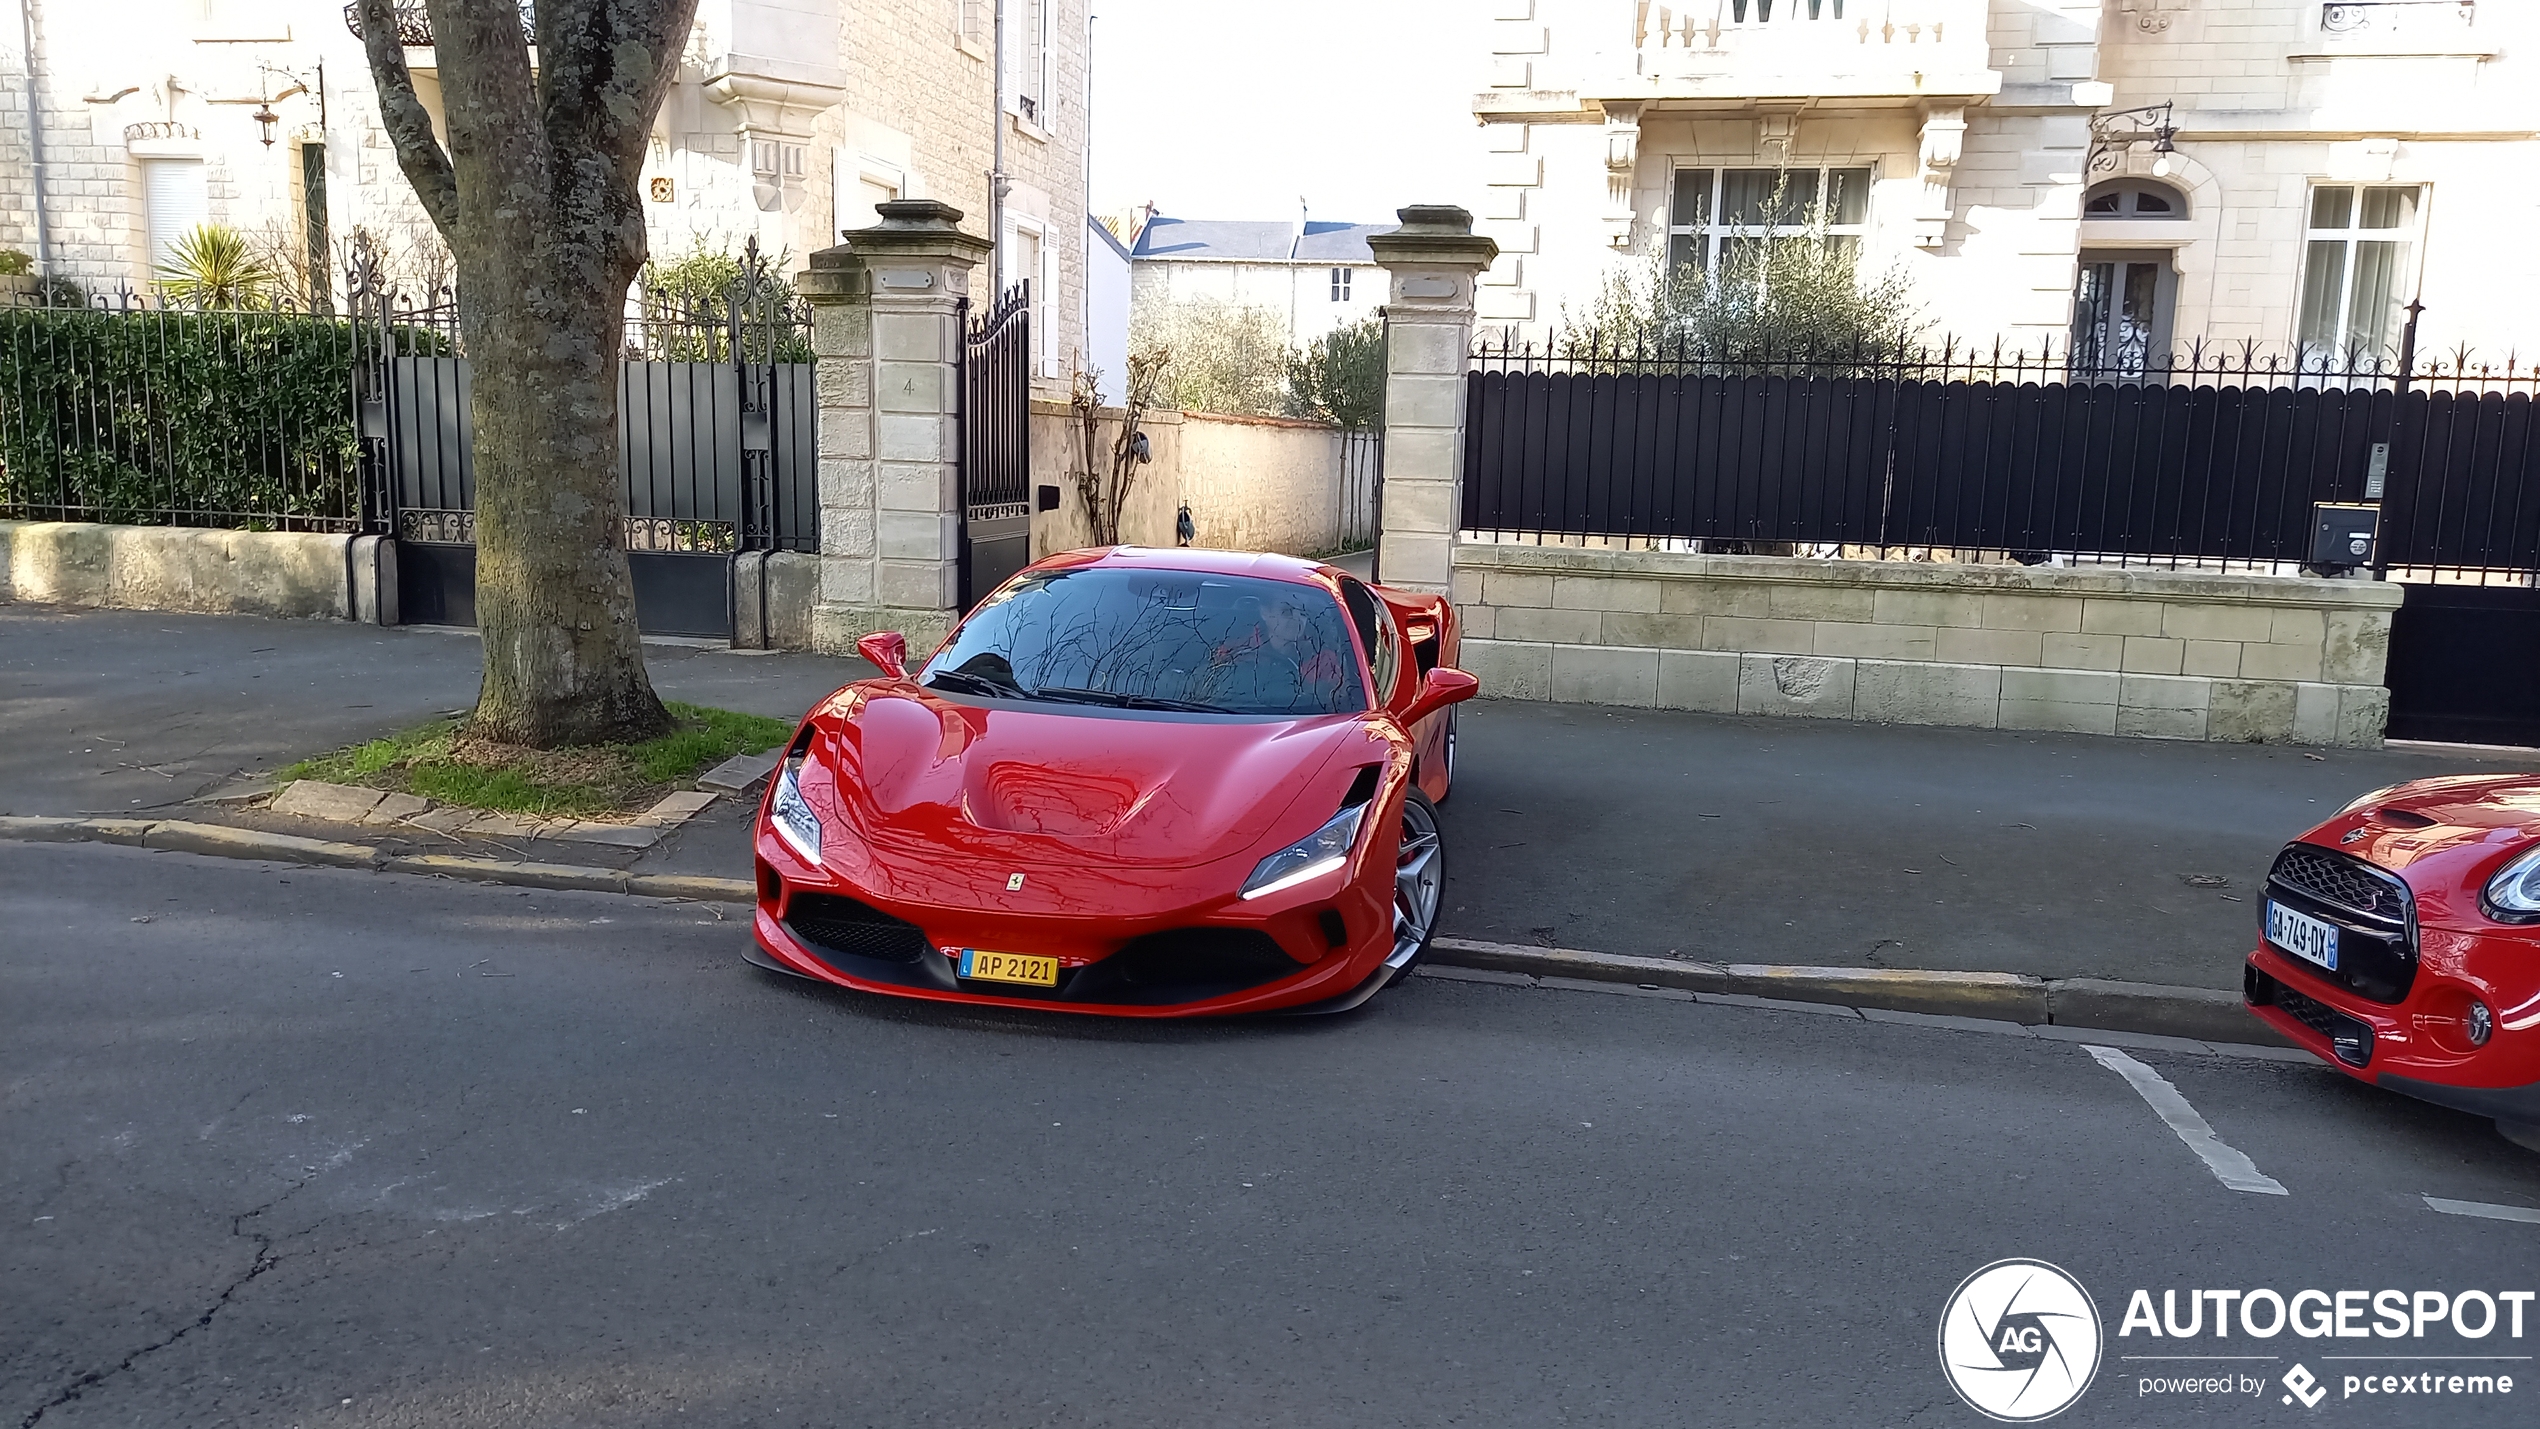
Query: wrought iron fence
716, 409
117, 408
2212, 459
1362, 489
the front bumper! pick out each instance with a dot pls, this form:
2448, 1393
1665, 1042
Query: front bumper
1175, 956
2416, 1046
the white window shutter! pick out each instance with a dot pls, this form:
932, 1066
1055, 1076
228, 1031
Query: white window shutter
179, 198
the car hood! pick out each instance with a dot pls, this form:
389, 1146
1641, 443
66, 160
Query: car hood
2446, 837
927, 775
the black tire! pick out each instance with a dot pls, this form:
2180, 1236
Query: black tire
1417, 890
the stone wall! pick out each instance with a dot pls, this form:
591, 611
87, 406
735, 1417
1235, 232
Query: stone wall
1252, 483
1262, 483
286, 574
2157, 654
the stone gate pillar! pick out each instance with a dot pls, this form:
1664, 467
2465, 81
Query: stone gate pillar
886, 334
1433, 258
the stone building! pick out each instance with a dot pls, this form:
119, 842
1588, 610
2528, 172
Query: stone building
2123, 176
789, 120
1313, 275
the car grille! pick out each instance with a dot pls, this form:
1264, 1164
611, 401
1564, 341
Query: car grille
2349, 1038
2348, 883
842, 925
1182, 965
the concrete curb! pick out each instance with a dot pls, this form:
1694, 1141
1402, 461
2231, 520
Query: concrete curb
2195, 1013
2000, 999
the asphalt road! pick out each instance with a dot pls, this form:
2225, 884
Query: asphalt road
1732, 839
303, 1146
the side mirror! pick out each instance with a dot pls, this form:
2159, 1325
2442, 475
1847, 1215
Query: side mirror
888, 652
1438, 689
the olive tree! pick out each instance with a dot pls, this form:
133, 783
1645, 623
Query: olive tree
535, 194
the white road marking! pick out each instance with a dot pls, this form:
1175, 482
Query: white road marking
2228, 1165
2484, 1210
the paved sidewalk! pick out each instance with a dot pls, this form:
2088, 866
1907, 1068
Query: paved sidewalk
1727, 839
122, 711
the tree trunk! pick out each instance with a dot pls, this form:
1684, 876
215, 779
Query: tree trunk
536, 197
554, 599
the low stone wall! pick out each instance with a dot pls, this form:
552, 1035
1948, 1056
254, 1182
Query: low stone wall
1056, 455
1252, 483
2158, 654
287, 574
1261, 483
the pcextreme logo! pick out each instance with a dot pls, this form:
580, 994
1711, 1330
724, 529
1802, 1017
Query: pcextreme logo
2019, 1341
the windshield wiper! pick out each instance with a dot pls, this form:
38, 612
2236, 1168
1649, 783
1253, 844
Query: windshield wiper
973, 684
1069, 695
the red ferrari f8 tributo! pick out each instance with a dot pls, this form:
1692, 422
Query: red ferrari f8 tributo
1139, 782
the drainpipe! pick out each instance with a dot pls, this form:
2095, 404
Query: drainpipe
35, 144
996, 162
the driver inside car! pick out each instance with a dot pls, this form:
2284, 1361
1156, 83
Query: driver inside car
1285, 661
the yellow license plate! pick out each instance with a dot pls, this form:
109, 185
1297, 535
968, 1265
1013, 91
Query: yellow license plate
1009, 967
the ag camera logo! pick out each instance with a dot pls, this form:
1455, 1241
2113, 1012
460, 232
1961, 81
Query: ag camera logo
2019, 1341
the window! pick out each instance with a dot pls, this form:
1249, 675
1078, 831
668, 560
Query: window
2128, 199
1026, 260
2121, 314
1720, 212
1128, 639
1026, 60
776, 175
970, 20
1340, 284
1375, 631
2354, 266
178, 200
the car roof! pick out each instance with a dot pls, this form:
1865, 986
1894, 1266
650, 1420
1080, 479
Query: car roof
1262, 564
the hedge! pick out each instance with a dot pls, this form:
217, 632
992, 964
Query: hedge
194, 419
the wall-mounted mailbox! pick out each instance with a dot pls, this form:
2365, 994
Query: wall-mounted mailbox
2342, 533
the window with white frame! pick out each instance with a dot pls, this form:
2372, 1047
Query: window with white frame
1026, 260
970, 20
1719, 212
2355, 267
1026, 60
1340, 284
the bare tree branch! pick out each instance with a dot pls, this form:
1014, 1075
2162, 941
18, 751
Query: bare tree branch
409, 125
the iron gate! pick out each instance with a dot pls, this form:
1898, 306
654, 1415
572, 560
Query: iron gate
717, 438
995, 464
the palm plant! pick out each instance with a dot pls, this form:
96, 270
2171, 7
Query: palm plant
214, 266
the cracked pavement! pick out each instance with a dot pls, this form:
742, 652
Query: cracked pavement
319, 1146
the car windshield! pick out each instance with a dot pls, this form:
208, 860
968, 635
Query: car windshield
1163, 640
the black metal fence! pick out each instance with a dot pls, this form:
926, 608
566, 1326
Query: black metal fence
118, 410
2211, 459
1362, 489
717, 413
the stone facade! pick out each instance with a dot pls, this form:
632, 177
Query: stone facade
2159, 654
1975, 121
788, 118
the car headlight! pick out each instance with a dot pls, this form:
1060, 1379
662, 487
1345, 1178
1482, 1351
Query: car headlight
1312, 856
794, 820
2375, 797
2513, 895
